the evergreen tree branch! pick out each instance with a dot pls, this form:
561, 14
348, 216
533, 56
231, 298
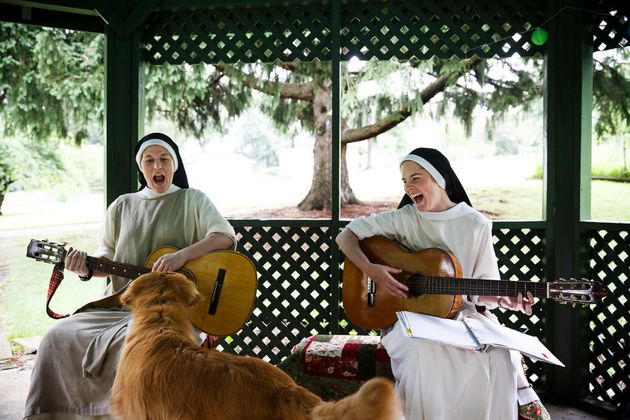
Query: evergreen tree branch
395, 118
298, 91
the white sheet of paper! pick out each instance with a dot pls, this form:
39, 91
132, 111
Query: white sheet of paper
436, 330
473, 334
500, 336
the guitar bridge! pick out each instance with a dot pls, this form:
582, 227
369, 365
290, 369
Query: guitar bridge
216, 293
371, 292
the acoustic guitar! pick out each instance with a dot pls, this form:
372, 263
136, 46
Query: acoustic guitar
226, 280
433, 277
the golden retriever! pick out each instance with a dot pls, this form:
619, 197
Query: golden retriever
164, 374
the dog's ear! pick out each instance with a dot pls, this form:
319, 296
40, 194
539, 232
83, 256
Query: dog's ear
187, 289
180, 288
129, 295
138, 287
195, 296
126, 298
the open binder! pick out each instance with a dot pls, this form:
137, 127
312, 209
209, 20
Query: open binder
473, 334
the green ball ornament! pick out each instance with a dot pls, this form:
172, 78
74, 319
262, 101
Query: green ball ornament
539, 36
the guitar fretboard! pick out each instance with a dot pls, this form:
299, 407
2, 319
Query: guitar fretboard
118, 269
419, 285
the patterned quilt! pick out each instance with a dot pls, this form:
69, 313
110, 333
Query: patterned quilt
333, 366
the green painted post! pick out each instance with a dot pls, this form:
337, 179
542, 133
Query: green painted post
568, 83
336, 161
123, 111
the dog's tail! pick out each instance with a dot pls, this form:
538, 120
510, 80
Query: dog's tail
375, 400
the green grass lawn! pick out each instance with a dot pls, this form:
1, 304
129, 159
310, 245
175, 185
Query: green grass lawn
23, 291
610, 201
520, 202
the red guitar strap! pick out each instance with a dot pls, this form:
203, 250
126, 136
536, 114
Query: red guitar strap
55, 280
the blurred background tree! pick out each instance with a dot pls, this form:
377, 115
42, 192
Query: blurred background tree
52, 84
51, 88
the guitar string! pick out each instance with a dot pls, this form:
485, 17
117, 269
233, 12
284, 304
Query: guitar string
450, 285
116, 268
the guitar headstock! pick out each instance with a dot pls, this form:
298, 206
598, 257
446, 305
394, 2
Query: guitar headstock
577, 292
46, 251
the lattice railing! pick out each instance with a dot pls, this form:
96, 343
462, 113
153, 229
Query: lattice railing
295, 298
294, 289
608, 255
521, 253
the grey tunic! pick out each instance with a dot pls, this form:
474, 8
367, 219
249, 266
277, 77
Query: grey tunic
77, 358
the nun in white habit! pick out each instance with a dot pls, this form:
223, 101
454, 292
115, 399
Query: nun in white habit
438, 382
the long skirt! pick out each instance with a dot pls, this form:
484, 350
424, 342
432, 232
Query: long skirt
438, 382
76, 364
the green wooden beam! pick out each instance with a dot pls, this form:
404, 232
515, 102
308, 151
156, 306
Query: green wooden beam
124, 20
124, 109
66, 6
80, 15
336, 162
50, 18
568, 83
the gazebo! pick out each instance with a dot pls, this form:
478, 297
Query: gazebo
302, 298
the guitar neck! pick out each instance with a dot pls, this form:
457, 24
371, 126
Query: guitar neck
419, 285
118, 269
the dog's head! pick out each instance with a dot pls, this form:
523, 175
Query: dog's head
158, 288
375, 400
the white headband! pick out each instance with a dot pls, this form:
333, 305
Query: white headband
428, 167
157, 142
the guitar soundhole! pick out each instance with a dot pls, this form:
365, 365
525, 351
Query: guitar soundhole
417, 285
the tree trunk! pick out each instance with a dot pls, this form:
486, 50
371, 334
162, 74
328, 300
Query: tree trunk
346, 194
319, 196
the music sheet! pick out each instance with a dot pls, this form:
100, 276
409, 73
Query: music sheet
473, 334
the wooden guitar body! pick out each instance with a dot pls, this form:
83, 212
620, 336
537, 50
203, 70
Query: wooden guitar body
381, 312
436, 286
237, 295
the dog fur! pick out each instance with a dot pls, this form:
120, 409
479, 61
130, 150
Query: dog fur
164, 374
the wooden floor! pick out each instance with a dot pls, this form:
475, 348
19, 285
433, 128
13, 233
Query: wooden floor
560, 412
